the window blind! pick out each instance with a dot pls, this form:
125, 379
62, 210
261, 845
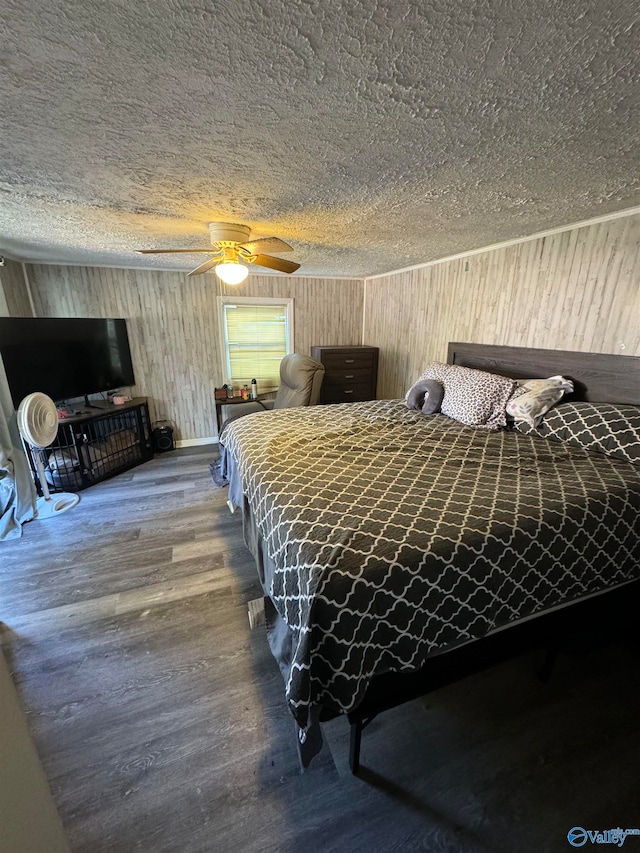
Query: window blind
256, 339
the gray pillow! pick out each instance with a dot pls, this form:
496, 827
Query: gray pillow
425, 395
433, 397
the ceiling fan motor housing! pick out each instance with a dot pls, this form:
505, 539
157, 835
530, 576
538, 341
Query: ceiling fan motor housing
228, 233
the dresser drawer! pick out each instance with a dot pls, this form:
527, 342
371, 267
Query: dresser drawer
340, 360
346, 393
346, 376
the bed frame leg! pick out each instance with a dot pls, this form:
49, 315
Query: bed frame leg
354, 746
255, 611
357, 727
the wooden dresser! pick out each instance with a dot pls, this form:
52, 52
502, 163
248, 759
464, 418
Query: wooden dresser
351, 373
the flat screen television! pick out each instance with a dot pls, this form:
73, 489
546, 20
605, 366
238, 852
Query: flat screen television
64, 357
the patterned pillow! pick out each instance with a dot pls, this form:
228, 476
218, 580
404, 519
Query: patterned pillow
532, 399
473, 397
609, 428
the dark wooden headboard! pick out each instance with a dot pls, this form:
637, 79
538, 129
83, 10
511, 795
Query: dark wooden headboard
598, 377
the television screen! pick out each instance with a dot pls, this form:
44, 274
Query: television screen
64, 358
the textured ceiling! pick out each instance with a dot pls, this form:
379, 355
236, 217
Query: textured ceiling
370, 135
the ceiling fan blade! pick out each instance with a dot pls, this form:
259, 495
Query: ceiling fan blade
266, 244
206, 266
209, 251
274, 263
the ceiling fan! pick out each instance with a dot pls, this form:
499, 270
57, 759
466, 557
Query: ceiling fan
232, 250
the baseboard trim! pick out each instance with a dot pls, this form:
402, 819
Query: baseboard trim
196, 442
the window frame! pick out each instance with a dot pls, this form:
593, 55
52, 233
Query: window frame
226, 299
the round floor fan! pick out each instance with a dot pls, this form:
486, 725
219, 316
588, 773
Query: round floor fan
38, 425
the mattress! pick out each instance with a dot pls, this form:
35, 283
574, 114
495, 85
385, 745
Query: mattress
387, 536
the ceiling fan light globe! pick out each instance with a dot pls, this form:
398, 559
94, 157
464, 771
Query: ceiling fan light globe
231, 273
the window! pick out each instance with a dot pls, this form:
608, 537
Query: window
256, 333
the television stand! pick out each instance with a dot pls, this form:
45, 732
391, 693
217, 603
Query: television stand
91, 447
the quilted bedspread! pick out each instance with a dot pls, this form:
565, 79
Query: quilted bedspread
396, 535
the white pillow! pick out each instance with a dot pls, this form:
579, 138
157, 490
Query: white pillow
534, 398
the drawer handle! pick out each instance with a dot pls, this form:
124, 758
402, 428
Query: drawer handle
348, 392
348, 376
349, 360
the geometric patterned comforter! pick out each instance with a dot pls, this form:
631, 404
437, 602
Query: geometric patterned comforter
396, 535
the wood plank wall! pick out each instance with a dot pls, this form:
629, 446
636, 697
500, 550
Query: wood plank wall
13, 285
326, 311
577, 290
173, 326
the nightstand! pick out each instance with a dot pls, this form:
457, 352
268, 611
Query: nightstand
233, 401
351, 373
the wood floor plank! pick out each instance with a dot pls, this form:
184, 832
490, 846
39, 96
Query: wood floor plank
161, 724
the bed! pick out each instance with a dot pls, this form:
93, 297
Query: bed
399, 552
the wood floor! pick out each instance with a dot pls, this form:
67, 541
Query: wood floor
160, 718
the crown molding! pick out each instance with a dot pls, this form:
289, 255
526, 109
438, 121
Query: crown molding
585, 223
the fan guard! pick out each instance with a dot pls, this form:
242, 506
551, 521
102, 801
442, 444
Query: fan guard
38, 420
38, 426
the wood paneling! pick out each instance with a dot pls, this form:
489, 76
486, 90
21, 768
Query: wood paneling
327, 311
13, 285
173, 326
578, 290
